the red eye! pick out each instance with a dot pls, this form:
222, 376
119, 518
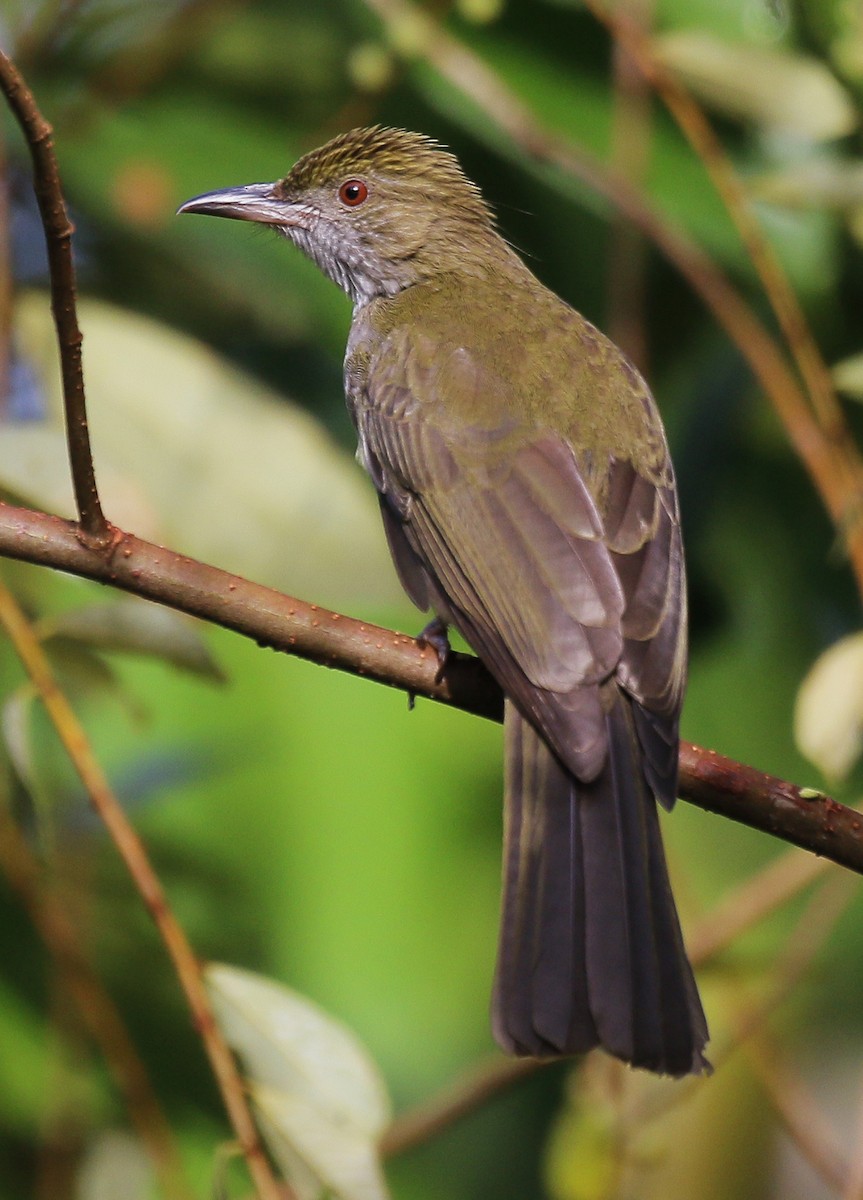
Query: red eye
353, 192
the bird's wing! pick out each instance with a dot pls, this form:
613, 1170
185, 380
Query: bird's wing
556, 592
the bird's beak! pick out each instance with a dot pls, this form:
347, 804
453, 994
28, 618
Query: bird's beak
255, 202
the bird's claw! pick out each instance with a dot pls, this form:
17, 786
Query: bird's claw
435, 637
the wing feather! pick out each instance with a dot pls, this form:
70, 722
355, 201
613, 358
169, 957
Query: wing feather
564, 579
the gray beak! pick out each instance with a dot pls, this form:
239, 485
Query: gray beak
256, 202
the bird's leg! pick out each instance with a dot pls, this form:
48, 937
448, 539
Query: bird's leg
435, 637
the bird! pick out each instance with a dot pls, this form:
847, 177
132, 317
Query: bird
529, 502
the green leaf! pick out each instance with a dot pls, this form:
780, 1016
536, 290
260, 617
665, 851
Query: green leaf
321, 1099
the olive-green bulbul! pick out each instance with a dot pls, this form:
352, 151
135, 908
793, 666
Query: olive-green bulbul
529, 500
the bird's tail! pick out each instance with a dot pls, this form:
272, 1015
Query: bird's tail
591, 951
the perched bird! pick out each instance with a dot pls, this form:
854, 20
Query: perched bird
529, 500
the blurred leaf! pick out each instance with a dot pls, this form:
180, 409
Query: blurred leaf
252, 51
19, 738
323, 1102
848, 376
828, 717
184, 149
774, 88
820, 183
17, 733
34, 466
138, 626
115, 1164
191, 451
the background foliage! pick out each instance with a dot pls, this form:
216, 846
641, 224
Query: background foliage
305, 824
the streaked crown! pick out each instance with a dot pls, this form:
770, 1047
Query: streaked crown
397, 155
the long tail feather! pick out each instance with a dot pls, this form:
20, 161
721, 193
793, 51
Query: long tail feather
591, 951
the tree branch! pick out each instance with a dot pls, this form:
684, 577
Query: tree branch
58, 240
802, 816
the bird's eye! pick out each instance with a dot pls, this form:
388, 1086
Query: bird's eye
353, 192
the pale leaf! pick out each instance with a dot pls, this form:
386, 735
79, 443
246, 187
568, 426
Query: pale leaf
771, 87
319, 1156
193, 453
828, 716
817, 183
114, 1164
848, 376
322, 1101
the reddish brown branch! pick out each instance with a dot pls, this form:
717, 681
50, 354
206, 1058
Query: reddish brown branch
58, 240
805, 818
802, 816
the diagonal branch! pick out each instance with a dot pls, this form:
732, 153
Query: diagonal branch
97, 1011
802, 816
58, 240
131, 850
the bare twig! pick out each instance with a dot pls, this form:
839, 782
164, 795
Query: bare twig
751, 901
810, 933
854, 1183
458, 1099
799, 1114
630, 155
798, 815
5, 283
132, 851
96, 1009
58, 239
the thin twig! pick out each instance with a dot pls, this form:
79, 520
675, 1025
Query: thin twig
630, 156
801, 947
854, 1183
803, 1121
5, 284
801, 816
822, 912
798, 1114
133, 854
455, 1101
58, 240
96, 1010
751, 902
472, 76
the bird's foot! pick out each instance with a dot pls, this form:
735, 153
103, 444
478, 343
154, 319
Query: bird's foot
435, 637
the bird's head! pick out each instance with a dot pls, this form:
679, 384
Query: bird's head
378, 210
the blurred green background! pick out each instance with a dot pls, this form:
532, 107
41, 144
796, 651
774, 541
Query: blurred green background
305, 824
